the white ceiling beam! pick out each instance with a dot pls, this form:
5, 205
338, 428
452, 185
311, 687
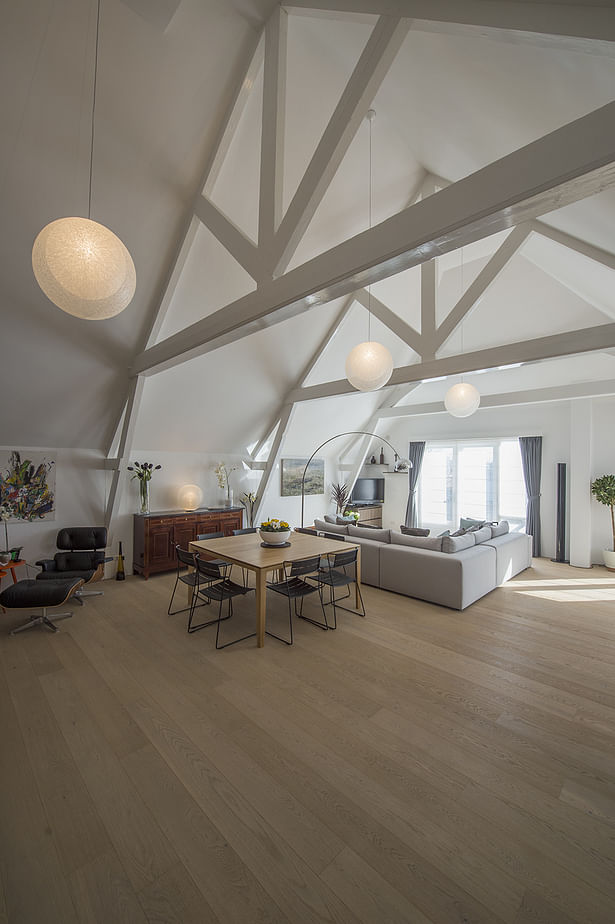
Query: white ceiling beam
400, 328
569, 343
371, 69
573, 243
529, 396
274, 456
272, 133
483, 281
133, 404
568, 164
243, 88
230, 236
428, 290
564, 20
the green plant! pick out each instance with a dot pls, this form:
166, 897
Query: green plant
340, 495
603, 489
351, 513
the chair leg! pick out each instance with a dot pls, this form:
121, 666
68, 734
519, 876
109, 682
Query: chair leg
41, 620
290, 625
222, 618
321, 625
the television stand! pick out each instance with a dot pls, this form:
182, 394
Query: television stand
371, 514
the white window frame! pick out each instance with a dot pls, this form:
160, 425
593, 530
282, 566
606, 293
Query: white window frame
517, 524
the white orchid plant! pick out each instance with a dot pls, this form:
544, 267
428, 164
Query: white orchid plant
223, 474
6, 512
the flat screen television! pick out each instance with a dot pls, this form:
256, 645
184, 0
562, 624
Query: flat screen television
368, 491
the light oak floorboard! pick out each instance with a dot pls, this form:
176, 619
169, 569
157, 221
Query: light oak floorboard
420, 765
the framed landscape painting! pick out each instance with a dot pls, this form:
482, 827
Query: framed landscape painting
292, 472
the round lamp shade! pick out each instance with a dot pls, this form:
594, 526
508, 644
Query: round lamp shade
190, 497
462, 400
369, 366
83, 268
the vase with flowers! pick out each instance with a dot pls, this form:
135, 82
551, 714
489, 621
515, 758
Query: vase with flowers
143, 471
223, 474
274, 532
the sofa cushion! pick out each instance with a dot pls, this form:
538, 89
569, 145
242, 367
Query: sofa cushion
325, 526
513, 554
376, 535
481, 535
417, 542
452, 544
500, 530
370, 558
413, 531
329, 519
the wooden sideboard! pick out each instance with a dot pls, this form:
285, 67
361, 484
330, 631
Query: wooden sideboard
371, 515
157, 534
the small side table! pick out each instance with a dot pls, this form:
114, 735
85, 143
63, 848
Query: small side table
10, 566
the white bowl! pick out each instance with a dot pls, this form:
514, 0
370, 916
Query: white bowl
278, 538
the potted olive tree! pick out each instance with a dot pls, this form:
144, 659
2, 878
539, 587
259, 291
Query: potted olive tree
603, 489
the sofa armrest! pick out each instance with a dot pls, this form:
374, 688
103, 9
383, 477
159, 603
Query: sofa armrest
47, 564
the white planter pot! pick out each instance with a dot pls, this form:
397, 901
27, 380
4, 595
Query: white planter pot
274, 538
609, 559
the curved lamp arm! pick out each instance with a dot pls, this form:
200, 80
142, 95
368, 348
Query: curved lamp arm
337, 436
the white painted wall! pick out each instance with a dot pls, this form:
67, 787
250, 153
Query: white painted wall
80, 501
603, 463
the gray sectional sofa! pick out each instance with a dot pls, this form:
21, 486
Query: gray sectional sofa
453, 571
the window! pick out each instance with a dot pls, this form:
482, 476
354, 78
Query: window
478, 478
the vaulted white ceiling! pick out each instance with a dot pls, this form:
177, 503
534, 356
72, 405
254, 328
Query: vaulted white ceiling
453, 101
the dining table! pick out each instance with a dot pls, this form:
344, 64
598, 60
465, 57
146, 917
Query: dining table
249, 552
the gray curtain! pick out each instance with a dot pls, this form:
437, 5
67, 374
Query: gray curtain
531, 457
416, 452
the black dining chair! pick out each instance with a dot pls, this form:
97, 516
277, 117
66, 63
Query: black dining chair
244, 532
340, 571
294, 587
184, 559
215, 584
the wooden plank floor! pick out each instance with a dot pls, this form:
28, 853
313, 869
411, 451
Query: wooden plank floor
420, 765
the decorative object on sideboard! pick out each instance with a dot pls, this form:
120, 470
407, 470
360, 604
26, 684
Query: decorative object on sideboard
223, 474
120, 574
82, 266
190, 497
249, 499
331, 438
603, 489
369, 365
143, 471
5, 515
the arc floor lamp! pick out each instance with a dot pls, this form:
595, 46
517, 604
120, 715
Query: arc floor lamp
337, 436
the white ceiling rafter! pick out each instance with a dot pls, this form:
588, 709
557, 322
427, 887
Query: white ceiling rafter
529, 396
230, 236
578, 23
272, 134
568, 164
573, 243
587, 340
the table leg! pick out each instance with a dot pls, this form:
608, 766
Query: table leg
358, 580
261, 597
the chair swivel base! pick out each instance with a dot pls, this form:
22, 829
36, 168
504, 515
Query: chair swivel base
42, 620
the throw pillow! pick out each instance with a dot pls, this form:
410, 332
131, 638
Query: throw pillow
328, 518
341, 520
467, 522
413, 531
481, 535
459, 532
501, 529
455, 543
372, 533
433, 543
446, 532
322, 526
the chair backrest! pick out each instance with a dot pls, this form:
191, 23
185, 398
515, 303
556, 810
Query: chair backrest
305, 566
244, 532
339, 559
82, 538
183, 557
209, 569
210, 536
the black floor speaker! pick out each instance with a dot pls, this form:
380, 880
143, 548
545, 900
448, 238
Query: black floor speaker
560, 528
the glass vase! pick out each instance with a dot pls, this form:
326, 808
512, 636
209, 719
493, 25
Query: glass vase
228, 501
143, 496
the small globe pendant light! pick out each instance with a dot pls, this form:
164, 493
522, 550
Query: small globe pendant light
369, 365
462, 399
82, 266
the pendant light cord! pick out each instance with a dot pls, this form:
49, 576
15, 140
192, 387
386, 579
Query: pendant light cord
93, 109
371, 115
461, 296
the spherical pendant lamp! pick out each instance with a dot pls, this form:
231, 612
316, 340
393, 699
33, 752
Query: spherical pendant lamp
190, 497
462, 400
369, 366
83, 268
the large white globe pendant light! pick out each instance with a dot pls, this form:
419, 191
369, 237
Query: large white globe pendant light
369, 365
461, 400
82, 266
